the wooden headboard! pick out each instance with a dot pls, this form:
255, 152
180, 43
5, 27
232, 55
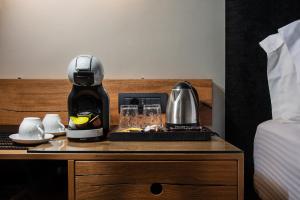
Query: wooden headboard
36, 97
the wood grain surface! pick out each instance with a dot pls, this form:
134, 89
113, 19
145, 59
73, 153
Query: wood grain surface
147, 172
123, 170
241, 177
71, 180
133, 180
142, 191
61, 145
22, 98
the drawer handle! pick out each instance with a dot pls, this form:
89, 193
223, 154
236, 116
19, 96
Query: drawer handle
156, 188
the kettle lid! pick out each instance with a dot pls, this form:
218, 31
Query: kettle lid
183, 85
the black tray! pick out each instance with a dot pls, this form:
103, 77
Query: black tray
186, 135
7, 144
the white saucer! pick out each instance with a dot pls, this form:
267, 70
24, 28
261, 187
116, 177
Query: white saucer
16, 138
59, 133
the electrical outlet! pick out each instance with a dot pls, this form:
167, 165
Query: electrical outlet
142, 99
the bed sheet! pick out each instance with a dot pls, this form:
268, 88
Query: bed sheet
277, 160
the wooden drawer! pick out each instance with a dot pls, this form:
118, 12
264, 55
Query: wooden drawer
156, 180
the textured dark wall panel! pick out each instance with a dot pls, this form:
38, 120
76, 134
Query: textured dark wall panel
247, 94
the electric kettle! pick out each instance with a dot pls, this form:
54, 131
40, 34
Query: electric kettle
183, 107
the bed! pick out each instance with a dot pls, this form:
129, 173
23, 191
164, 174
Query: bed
277, 160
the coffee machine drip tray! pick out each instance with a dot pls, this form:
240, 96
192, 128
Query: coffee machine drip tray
88, 134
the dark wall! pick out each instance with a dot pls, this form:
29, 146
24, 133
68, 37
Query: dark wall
247, 95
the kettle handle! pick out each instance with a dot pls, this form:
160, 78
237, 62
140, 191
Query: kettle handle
196, 96
195, 93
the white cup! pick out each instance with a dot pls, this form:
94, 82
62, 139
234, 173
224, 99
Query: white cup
52, 123
31, 128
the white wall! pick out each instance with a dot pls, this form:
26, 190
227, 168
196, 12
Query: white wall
132, 38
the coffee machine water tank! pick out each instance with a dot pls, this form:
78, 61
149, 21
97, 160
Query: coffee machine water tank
85, 70
88, 102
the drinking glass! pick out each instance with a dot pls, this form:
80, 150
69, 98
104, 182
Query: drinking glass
152, 115
128, 116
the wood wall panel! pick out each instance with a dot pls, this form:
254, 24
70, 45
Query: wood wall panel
35, 97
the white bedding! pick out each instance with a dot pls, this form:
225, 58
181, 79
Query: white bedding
277, 160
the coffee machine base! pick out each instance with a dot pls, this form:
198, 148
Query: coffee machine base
90, 135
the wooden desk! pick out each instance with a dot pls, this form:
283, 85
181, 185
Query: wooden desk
145, 170
127, 170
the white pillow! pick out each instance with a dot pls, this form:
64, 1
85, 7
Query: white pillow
282, 79
290, 34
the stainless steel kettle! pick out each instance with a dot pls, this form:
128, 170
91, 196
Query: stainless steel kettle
183, 107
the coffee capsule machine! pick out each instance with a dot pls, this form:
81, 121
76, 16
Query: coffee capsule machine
88, 102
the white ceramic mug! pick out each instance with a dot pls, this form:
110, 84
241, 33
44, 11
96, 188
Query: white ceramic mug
52, 123
31, 128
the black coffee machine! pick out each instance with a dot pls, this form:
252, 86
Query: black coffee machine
88, 102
